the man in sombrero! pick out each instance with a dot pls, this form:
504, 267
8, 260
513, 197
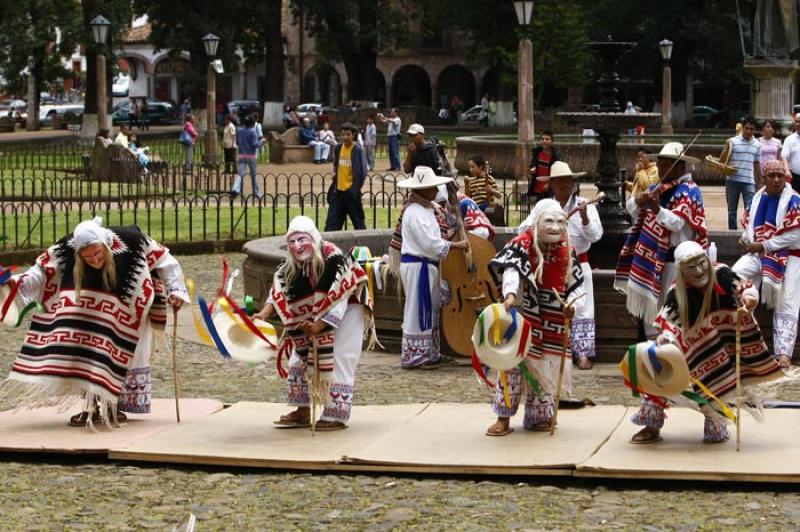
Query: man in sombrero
584, 229
699, 316
320, 295
771, 246
665, 215
422, 247
538, 272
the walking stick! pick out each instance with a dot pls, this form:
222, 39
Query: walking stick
314, 384
739, 313
175, 361
564, 346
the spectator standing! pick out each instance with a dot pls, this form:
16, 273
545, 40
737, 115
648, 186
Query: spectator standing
771, 147
133, 114
420, 151
259, 132
745, 156
542, 158
247, 141
646, 174
186, 108
492, 112
312, 117
370, 141
483, 117
287, 119
143, 110
309, 137
791, 154
350, 171
188, 148
393, 125
229, 145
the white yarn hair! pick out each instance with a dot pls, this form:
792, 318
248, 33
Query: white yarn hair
542, 207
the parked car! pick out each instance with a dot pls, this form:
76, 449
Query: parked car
158, 113
472, 114
48, 112
702, 113
241, 108
320, 108
728, 116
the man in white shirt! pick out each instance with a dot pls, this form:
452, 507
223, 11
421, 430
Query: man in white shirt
791, 154
122, 137
746, 157
393, 135
370, 142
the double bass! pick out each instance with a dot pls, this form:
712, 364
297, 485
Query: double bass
472, 287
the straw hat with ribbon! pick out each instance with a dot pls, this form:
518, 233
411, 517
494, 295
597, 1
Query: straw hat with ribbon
423, 177
673, 150
501, 339
559, 169
655, 370
240, 341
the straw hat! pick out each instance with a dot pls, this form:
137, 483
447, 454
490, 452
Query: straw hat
243, 344
423, 177
12, 315
670, 381
559, 169
672, 150
495, 323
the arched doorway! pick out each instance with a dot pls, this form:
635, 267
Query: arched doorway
322, 85
380, 88
456, 80
411, 86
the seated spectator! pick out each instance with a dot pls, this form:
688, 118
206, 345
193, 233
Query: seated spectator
102, 134
309, 137
122, 137
140, 152
326, 135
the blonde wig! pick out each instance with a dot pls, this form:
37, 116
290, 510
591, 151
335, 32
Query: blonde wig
683, 299
109, 271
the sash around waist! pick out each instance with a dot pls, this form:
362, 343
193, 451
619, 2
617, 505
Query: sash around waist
405, 258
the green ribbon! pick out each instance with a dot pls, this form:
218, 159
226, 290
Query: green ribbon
249, 306
480, 319
32, 305
534, 384
632, 370
697, 398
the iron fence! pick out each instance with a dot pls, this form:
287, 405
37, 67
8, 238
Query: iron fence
173, 205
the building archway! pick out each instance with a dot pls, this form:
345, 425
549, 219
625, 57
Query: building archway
456, 80
411, 86
322, 84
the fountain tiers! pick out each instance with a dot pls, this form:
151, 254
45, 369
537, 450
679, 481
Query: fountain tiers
616, 329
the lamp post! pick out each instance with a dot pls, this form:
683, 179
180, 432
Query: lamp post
210, 43
32, 123
525, 131
665, 46
100, 26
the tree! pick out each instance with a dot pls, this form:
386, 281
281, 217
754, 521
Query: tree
349, 31
35, 36
262, 41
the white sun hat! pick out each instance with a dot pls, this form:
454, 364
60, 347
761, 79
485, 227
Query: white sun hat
501, 339
672, 150
423, 177
660, 370
242, 343
559, 169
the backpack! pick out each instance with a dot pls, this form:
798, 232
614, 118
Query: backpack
441, 151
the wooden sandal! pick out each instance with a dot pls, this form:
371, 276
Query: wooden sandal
505, 428
79, 420
323, 425
584, 363
294, 420
646, 436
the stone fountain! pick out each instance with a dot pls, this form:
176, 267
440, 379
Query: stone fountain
608, 122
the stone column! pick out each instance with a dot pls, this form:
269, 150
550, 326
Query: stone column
773, 89
525, 129
666, 101
211, 155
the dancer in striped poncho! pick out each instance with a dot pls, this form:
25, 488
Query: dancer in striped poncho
102, 293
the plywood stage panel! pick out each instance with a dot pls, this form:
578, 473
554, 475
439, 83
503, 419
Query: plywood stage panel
452, 438
45, 430
768, 451
244, 435
448, 438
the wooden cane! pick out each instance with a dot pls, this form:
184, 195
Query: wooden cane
739, 313
314, 384
564, 345
175, 361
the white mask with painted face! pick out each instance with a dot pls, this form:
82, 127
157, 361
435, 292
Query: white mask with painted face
696, 271
301, 246
551, 227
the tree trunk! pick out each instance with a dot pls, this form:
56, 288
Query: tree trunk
361, 75
274, 68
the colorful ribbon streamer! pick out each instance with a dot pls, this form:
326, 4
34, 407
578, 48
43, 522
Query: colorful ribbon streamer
245, 319
206, 313
726, 411
504, 382
32, 305
198, 324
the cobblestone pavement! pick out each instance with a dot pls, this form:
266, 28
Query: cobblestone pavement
58, 494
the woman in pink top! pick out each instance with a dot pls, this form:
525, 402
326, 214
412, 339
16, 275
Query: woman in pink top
188, 127
771, 147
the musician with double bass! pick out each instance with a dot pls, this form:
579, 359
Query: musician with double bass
584, 227
665, 215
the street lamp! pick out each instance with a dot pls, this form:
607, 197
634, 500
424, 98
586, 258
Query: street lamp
665, 47
525, 131
100, 26
210, 43
32, 122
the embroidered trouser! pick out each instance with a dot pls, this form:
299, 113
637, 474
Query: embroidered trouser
419, 345
652, 415
582, 329
784, 318
136, 393
538, 406
346, 354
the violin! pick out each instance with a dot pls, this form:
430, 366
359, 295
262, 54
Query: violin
594, 199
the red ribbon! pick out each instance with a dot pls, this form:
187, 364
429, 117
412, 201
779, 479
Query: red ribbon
476, 365
286, 346
247, 321
526, 331
221, 291
10, 299
656, 399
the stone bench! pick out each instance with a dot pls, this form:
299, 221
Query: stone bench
286, 148
116, 164
7, 125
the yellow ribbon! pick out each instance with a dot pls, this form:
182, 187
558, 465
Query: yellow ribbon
726, 411
506, 396
198, 325
370, 282
496, 332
